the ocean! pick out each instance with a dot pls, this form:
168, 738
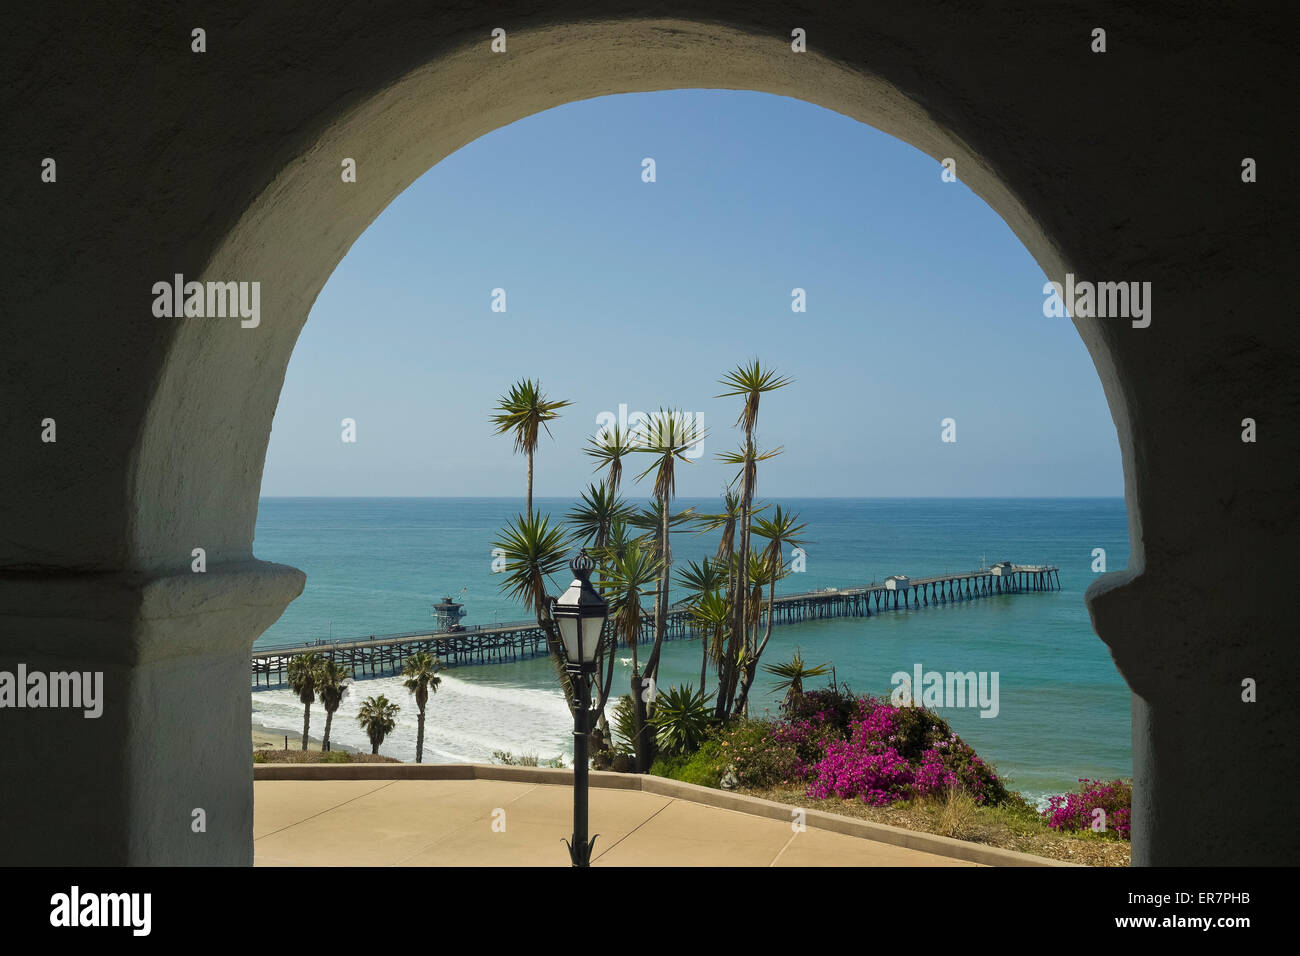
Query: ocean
376, 565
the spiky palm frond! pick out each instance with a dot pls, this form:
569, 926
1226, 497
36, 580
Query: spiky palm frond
597, 513
524, 411
751, 381
378, 718
794, 673
668, 436
725, 520
609, 448
650, 520
421, 673
331, 683
302, 674
702, 577
711, 613
532, 549
781, 529
629, 579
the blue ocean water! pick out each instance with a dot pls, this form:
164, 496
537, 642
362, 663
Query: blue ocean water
375, 566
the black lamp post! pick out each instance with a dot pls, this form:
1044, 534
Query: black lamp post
580, 613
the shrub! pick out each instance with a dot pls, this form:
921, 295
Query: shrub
623, 726
510, 760
1074, 811
878, 775
833, 707
681, 720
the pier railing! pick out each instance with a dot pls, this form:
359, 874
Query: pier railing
515, 640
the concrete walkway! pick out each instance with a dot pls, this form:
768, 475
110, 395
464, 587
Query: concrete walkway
512, 823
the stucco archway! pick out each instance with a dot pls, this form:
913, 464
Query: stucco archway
231, 172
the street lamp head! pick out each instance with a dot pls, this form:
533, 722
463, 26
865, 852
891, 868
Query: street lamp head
580, 613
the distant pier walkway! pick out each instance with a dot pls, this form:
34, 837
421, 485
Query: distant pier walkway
492, 643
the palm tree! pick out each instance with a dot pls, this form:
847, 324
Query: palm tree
711, 613
749, 382
669, 436
331, 684
700, 580
631, 572
601, 507
779, 531
524, 410
302, 674
377, 717
534, 550
609, 449
421, 673
763, 573
794, 674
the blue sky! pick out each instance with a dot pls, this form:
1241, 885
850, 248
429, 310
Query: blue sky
921, 305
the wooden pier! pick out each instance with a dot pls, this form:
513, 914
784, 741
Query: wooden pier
484, 644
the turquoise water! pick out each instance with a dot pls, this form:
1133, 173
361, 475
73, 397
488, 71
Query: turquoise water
375, 566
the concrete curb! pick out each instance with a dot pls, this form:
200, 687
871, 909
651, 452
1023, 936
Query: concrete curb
708, 796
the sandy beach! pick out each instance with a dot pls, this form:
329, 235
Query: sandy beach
268, 738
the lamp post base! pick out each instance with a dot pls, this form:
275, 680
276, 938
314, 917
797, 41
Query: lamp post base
580, 851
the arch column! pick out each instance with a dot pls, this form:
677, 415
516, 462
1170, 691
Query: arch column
173, 736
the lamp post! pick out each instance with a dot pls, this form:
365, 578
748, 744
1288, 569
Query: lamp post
580, 614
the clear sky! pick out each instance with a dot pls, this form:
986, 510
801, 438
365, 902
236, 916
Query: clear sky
921, 305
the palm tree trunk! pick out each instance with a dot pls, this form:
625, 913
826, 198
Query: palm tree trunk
419, 738
306, 722
752, 669
329, 719
530, 483
704, 657
374, 746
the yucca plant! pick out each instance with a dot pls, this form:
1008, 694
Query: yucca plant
682, 719
523, 412
624, 725
793, 673
630, 576
669, 435
780, 530
749, 382
609, 448
534, 549
594, 517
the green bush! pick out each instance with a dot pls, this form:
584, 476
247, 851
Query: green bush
681, 720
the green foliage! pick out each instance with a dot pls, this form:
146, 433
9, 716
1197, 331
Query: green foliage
681, 719
378, 718
704, 768
794, 673
523, 412
302, 673
259, 757
510, 760
532, 550
623, 725
335, 756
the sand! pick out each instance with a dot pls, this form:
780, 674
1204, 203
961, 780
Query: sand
264, 737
